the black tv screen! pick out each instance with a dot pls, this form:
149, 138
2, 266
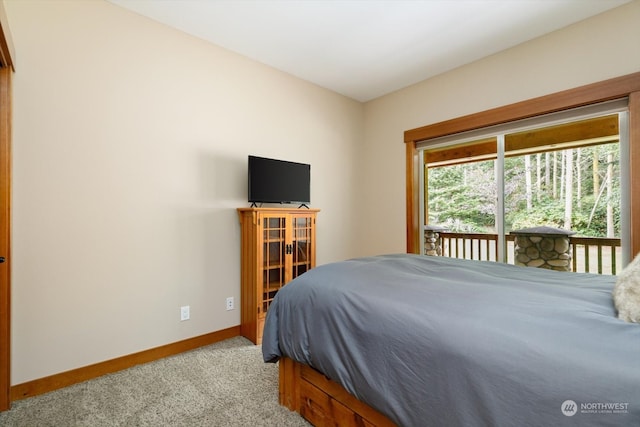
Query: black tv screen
278, 181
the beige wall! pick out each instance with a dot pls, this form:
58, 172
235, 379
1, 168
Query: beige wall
593, 50
130, 151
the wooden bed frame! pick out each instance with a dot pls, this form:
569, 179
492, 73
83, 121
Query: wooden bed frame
322, 401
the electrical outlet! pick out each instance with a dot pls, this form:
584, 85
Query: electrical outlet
230, 304
184, 313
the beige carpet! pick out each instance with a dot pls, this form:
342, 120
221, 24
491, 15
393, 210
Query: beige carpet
224, 384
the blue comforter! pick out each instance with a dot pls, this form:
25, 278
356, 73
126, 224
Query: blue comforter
434, 341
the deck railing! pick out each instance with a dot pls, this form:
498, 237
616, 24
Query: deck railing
589, 254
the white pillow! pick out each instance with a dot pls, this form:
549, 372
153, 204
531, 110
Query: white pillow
626, 292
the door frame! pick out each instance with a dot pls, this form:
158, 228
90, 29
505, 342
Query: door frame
6, 70
5, 237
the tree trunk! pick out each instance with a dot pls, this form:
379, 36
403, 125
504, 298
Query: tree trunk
563, 164
527, 181
547, 172
596, 171
538, 177
568, 205
578, 178
555, 175
610, 231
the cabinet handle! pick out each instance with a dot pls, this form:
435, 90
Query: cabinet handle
1, 259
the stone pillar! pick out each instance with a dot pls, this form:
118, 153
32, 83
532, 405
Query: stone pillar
432, 240
543, 247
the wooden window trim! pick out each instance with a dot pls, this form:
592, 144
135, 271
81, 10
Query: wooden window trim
616, 88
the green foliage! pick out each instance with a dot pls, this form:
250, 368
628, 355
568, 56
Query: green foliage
463, 197
550, 214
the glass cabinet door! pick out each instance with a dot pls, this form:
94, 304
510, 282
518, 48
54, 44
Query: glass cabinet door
273, 253
301, 244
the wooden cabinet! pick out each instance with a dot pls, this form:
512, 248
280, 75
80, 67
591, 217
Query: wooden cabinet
277, 245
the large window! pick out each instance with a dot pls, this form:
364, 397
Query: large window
562, 171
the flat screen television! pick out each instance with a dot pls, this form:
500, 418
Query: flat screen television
278, 181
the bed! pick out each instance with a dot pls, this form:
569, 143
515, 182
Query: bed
414, 340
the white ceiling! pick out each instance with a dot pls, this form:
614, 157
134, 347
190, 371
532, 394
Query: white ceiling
367, 48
